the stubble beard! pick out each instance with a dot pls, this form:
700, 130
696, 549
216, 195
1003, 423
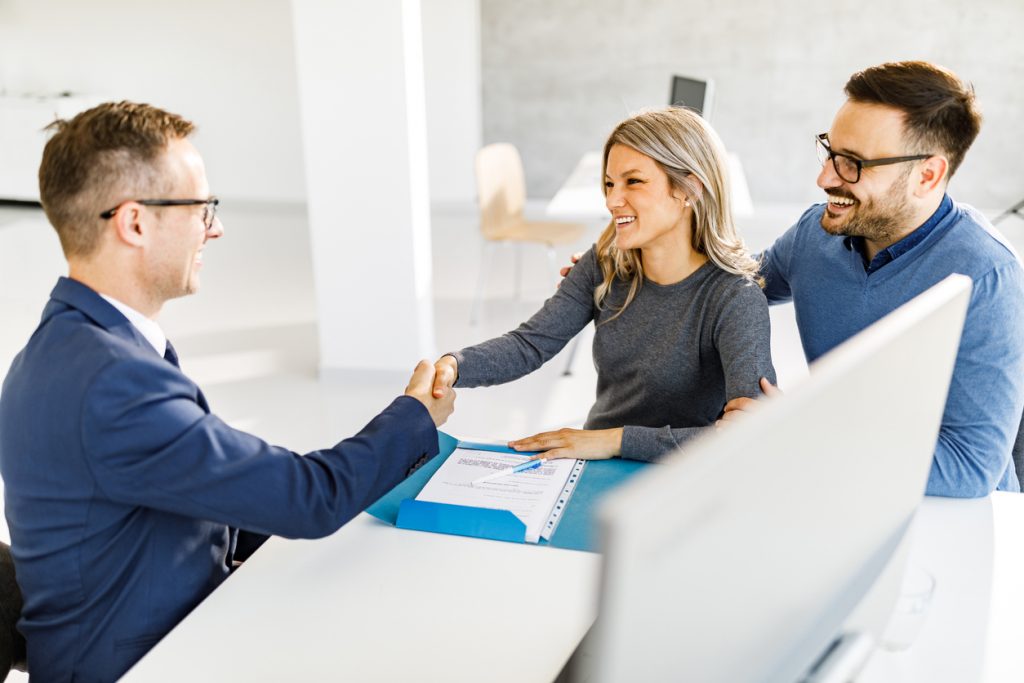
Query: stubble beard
880, 220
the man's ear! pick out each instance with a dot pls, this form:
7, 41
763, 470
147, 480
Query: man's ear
128, 226
931, 175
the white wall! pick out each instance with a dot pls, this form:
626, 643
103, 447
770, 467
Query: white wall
451, 55
228, 65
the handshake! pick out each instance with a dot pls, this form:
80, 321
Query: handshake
432, 385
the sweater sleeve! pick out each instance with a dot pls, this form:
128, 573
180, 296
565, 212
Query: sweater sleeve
742, 336
524, 349
650, 444
776, 261
986, 394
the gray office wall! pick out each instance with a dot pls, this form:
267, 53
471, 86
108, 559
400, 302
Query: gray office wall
558, 74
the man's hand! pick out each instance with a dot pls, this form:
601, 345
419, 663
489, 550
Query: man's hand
447, 371
574, 259
420, 388
586, 444
735, 409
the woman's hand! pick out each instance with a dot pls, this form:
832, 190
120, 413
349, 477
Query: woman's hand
586, 444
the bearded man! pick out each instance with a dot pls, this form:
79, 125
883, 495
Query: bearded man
888, 232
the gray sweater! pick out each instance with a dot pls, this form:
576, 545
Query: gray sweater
665, 367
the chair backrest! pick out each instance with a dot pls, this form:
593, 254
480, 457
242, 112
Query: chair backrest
500, 186
12, 645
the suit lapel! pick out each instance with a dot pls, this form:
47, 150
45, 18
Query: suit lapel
68, 293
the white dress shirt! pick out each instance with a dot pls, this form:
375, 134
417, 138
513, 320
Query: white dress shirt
146, 327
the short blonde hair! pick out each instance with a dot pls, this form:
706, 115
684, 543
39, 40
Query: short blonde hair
690, 153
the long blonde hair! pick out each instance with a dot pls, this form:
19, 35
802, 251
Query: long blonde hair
690, 153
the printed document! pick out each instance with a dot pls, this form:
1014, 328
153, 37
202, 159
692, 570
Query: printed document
536, 496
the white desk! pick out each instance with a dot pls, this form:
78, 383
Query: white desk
377, 603
975, 551
580, 195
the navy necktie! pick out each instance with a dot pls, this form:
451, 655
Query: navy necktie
170, 355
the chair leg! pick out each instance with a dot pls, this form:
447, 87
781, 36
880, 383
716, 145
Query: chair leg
486, 250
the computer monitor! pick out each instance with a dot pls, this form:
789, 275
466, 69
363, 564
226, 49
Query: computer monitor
694, 93
740, 558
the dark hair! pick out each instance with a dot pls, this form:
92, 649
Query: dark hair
941, 112
102, 156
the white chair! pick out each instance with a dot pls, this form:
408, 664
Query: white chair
501, 193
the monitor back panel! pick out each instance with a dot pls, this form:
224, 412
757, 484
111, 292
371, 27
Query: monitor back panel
739, 558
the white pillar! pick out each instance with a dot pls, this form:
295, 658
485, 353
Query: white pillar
451, 54
360, 78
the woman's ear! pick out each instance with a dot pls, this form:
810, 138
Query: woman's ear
697, 190
691, 192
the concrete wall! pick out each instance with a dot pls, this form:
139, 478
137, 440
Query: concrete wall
557, 76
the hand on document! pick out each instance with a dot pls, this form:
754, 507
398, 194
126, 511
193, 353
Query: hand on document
585, 444
421, 388
735, 408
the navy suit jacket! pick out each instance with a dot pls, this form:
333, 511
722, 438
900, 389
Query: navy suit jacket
124, 493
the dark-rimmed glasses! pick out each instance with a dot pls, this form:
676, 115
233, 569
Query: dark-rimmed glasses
848, 168
209, 210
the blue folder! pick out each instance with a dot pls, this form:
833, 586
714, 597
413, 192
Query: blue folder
577, 529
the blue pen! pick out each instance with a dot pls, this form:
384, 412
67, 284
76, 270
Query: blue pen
521, 467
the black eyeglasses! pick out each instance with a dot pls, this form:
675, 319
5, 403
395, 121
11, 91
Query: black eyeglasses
848, 168
209, 210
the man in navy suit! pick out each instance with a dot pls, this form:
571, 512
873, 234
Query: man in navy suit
128, 501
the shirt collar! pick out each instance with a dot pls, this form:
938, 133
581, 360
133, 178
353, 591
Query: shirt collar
150, 331
894, 251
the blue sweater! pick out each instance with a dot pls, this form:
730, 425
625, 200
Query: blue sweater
835, 298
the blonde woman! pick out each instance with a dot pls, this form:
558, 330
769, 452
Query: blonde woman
681, 321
